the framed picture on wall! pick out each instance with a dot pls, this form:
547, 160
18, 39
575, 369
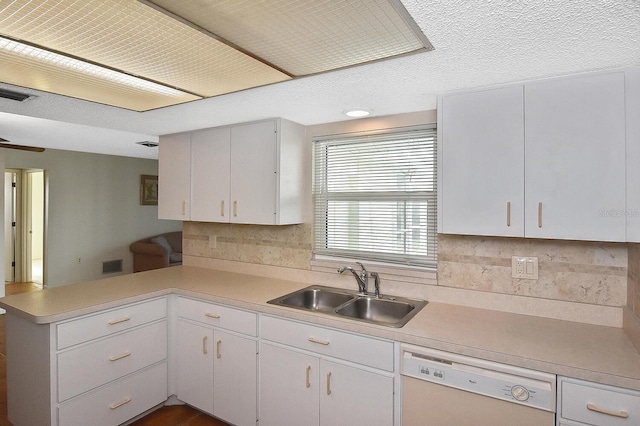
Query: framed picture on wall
148, 190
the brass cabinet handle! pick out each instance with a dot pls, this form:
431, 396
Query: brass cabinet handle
235, 209
539, 215
120, 404
621, 414
210, 315
308, 383
204, 345
184, 207
508, 213
320, 342
124, 355
218, 354
222, 208
329, 383
118, 321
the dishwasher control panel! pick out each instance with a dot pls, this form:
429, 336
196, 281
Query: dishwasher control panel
506, 382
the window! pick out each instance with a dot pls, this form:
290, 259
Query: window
375, 196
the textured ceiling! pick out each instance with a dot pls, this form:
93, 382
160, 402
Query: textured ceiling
477, 44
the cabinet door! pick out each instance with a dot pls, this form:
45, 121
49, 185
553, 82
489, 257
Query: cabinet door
351, 396
632, 98
575, 158
253, 173
482, 163
174, 181
210, 170
288, 388
195, 365
235, 379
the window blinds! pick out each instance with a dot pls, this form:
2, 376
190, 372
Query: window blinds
375, 196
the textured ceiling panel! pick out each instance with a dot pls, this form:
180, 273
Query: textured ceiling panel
132, 37
306, 37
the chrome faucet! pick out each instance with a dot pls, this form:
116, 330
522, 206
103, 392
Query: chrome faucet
361, 279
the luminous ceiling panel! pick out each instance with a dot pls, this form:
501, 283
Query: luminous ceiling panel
305, 37
129, 36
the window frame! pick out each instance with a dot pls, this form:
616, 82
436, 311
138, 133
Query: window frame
320, 233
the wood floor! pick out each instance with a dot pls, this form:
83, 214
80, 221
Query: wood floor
177, 415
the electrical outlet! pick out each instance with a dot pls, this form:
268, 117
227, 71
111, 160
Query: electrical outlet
213, 241
524, 267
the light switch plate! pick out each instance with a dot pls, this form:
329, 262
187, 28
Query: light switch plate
524, 267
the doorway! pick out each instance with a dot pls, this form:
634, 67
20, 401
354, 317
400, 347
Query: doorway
25, 221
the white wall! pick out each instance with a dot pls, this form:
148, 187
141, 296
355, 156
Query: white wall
2, 271
94, 210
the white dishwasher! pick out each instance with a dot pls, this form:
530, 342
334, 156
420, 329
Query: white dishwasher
442, 389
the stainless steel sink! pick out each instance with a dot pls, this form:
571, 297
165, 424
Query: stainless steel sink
394, 313
315, 299
385, 310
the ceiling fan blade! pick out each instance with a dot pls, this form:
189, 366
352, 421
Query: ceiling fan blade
20, 147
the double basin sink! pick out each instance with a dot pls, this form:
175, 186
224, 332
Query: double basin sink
384, 310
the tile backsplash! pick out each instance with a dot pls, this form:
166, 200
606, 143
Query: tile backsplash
288, 246
598, 273
575, 271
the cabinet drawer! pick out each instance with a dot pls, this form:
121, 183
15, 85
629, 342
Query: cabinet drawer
217, 315
92, 365
352, 347
582, 401
119, 401
91, 327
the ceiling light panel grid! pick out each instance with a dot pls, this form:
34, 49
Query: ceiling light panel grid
134, 38
305, 37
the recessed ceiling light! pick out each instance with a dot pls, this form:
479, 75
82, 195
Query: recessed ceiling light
357, 112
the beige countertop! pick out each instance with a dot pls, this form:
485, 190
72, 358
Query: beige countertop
589, 352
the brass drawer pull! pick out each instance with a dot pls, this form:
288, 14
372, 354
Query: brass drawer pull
118, 321
308, 383
204, 345
210, 315
218, 344
124, 355
621, 414
329, 383
222, 208
509, 213
120, 404
320, 342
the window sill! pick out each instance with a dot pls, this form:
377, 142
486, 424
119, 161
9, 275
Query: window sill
391, 272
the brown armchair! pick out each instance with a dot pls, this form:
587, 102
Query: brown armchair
161, 251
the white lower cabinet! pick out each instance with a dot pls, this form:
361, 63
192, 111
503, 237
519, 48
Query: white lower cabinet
586, 403
217, 368
311, 388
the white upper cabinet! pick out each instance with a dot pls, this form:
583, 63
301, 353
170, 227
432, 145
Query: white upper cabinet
575, 158
481, 146
248, 173
540, 160
632, 213
211, 172
174, 177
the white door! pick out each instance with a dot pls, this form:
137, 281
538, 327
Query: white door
350, 396
482, 163
288, 387
210, 174
575, 158
253, 173
195, 365
235, 379
174, 177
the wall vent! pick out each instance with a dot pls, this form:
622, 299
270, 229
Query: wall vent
14, 96
111, 266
